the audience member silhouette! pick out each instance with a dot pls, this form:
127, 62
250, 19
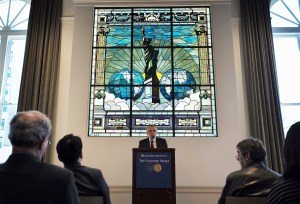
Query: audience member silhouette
23, 177
254, 179
287, 189
89, 181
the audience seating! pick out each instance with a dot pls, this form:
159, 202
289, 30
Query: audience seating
91, 199
246, 200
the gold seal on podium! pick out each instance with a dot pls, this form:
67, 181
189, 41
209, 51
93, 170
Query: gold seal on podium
157, 167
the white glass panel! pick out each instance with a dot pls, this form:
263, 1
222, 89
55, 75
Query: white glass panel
287, 20
21, 17
286, 46
10, 90
288, 63
14, 15
280, 22
294, 7
290, 115
3, 12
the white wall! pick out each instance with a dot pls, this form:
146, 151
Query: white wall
202, 164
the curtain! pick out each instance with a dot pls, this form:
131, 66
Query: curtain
261, 79
41, 60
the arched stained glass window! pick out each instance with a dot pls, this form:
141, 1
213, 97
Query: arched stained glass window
152, 66
285, 15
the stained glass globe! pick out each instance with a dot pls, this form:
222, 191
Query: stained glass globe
119, 84
184, 82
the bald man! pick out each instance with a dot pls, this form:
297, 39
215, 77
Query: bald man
23, 177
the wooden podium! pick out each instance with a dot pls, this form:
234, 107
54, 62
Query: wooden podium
153, 178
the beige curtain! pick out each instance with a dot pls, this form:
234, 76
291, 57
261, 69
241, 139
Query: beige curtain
41, 60
261, 79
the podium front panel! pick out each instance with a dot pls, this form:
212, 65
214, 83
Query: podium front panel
153, 170
153, 180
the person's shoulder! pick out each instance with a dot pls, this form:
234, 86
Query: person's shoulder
161, 139
55, 170
287, 181
241, 173
143, 140
282, 183
255, 170
235, 174
273, 173
91, 169
54, 167
279, 181
267, 171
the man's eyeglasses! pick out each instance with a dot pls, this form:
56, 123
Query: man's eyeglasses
49, 142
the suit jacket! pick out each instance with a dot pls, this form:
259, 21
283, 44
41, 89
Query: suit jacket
26, 180
89, 181
160, 143
255, 180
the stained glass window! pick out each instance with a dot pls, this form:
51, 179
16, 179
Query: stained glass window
152, 66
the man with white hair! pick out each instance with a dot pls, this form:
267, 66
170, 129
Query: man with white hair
24, 179
152, 141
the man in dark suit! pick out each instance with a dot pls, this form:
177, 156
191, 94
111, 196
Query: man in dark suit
89, 181
254, 178
152, 141
23, 177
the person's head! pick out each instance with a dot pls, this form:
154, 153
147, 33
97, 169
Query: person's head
151, 131
291, 152
250, 151
69, 149
30, 132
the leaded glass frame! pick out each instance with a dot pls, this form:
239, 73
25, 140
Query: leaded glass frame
152, 66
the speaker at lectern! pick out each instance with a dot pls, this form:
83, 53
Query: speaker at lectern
153, 176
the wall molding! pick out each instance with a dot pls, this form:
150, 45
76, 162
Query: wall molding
145, 3
67, 19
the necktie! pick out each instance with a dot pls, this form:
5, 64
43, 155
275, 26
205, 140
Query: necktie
151, 145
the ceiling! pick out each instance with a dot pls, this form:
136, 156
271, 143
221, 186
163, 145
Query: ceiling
143, 3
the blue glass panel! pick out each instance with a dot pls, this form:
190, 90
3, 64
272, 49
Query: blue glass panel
119, 36
160, 35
